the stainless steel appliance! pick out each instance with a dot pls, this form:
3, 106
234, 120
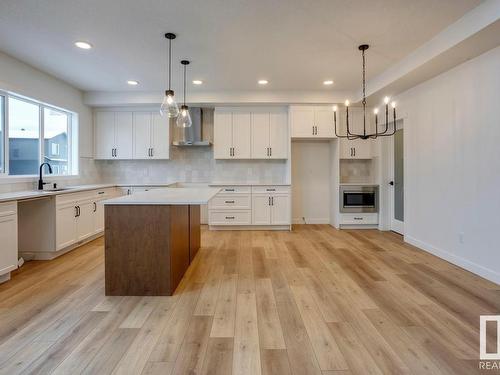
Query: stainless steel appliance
358, 198
193, 136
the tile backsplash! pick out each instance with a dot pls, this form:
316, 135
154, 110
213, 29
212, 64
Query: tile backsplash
356, 171
191, 164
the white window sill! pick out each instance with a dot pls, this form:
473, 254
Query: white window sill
6, 179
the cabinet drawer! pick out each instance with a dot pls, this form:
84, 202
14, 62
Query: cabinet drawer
74, 197
271, 189
230, 201
227, 217
104, 193
235, 190
7, 209
371, 218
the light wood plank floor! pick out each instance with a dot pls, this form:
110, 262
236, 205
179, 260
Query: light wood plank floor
312, 301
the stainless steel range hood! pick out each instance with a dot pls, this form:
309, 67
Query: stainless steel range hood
193, 136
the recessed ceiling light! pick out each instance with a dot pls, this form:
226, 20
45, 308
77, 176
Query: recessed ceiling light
132, 82
328, 82
197, 82
263, 81
83, 45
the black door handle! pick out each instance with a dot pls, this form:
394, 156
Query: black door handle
391, 183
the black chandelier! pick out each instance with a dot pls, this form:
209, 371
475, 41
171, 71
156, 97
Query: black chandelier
350, 135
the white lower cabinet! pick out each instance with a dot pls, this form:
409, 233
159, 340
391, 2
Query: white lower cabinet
80, 216
251, 206
8, 239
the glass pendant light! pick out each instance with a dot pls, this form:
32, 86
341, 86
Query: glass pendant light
169, 105
184, 118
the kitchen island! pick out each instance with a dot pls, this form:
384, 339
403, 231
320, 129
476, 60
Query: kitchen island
151, 238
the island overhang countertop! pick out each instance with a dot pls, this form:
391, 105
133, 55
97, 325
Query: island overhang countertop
167, 196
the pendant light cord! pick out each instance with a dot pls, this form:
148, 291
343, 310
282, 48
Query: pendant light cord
364, 92
184, 84
169, 62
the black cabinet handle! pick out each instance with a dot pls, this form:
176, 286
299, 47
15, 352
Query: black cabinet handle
270, 151
391, 183
358, 218
229, 217
269, 201
152, 151
270, 189
272, 201
76, 211
101, 192
228, 201
228, 189
95, 206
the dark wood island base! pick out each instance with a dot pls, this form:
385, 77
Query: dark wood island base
148, 248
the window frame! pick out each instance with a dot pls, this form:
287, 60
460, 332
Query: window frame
72, 128
4, 171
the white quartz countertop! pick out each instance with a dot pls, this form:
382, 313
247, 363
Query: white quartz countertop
33, 194
247, 184
170, 196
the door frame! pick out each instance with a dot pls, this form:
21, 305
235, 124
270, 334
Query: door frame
396, 225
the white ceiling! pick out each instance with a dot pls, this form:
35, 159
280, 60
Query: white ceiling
295, 44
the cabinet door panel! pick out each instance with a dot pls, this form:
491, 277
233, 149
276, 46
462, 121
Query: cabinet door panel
124, 135
85, 221
323, 119
65, 226
104, 138
160, 141
260, 136
302, 121
278, 135
98, 217
142, 135
242, 135
261, 210
8, 239
223, 135
280, 210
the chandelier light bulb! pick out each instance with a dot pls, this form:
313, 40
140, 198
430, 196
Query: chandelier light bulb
386, 100
393, 104
335, 108
375, 110
347, 103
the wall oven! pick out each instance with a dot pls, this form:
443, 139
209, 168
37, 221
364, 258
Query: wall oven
358, 199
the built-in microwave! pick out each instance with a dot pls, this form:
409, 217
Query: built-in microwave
358, 198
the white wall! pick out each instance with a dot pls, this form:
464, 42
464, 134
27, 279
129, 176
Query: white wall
25, 80
452, 165
311, 164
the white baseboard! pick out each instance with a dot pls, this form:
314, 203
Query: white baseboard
311, 220
249, 227
456, 260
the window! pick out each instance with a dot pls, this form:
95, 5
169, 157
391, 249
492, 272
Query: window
24, 137
32, 133
55, 134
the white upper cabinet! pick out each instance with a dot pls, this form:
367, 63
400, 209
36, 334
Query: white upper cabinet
223, 135
131, 135
312, 122
104, 135
241, 135
269, 135
142, 135
250, 134
160, 136
358, 148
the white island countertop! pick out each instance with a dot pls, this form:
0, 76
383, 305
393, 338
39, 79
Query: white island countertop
168, 196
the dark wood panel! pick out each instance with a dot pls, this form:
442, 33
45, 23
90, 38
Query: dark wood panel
194, 231
179, 244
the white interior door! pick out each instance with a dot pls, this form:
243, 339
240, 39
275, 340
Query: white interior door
397, 180
260, 135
